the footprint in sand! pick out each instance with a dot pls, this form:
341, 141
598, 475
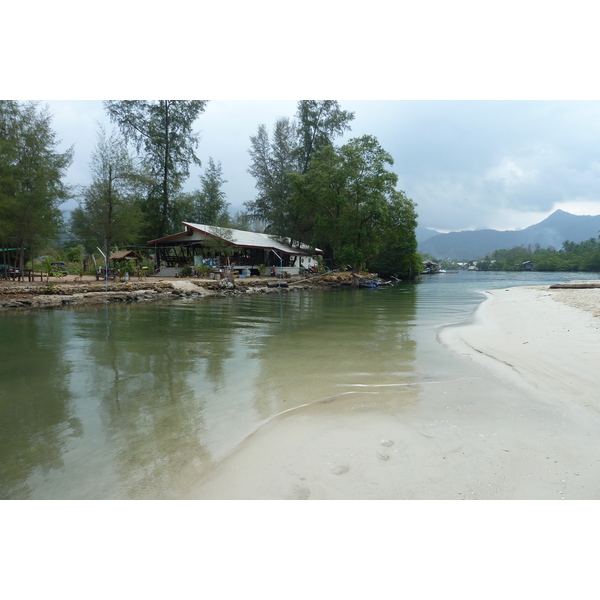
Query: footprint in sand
339, 469
301, 492
383, 456
387, 443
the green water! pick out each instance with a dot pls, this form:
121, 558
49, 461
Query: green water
138, 401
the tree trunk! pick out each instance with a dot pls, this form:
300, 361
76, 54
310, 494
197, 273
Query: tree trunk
165, 206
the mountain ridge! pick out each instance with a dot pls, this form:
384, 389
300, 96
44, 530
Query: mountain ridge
555, 229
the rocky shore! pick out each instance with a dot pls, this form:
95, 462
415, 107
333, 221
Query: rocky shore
17, 295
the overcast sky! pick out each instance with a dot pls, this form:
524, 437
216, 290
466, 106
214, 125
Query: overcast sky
467, 164
453, 91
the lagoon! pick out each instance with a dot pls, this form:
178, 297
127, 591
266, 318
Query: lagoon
141, 401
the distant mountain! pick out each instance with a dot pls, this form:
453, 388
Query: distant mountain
551, 232
424, 233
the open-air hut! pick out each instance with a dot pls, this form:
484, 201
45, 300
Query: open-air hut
208, 246
121, 256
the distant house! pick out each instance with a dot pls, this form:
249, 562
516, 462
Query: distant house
220, 247
528, 265
429, 267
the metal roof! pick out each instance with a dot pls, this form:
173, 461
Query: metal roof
236, 237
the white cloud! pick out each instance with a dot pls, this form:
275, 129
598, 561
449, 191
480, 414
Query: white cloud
509, 174
580, 206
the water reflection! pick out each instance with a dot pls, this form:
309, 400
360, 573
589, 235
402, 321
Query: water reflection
138, 401
36, 407
334, 343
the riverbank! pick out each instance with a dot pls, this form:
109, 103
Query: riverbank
86, 290
521, 422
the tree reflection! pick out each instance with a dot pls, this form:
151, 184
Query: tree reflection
151, 412
346, 341
36, 411
158, 392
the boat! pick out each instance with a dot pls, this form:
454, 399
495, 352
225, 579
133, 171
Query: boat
368, 283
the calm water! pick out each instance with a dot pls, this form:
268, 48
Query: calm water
138, 401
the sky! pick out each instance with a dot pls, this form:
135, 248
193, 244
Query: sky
490, 111
467, 164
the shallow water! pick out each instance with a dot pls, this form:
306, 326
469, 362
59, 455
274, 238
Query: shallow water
138, 401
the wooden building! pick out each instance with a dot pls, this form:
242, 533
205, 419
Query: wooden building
222, 248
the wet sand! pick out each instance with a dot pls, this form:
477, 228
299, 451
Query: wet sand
520, 420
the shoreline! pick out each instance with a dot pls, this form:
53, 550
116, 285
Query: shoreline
76, 291
520, 424
18, 295
537, 337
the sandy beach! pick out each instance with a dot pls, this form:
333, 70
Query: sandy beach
519, 421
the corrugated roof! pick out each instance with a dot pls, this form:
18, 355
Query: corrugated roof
238, 237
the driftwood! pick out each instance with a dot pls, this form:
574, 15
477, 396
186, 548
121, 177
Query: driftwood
576, 286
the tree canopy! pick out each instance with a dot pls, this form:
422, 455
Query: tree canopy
109, 211
340, 199
291, 150
31, 176
319, 123
352, 200
162, 133
583, 256
207, 205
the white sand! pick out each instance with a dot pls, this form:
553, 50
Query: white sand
520, 422
544, 339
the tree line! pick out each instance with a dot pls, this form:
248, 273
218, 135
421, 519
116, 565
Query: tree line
583, 256
342, 199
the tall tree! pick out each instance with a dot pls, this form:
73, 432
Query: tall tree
162, 133
319, 123
272, 160
108, 212
32, 171
212, 201
207, 205
351, 194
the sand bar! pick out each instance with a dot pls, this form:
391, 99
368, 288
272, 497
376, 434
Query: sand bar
520, 420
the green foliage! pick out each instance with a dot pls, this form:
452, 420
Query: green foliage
203, 270
109, 211
355, 209
47, 266
398, 256
342, 200
161, 131
583, 256
208, 205
277, 162
31, 176
319, 123
271, 163
185, 271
